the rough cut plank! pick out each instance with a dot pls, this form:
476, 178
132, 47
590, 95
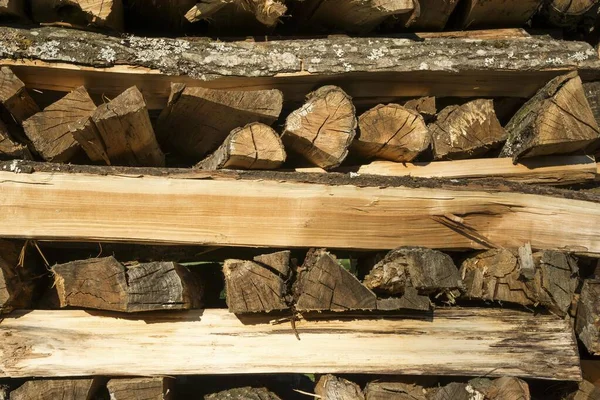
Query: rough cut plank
50, 129
466, 131
365, 67
557, 120
322, 129
18, 282
497, 13
494, 342
157, 388
391, 132
137, 207
330, 387
243, 393
13, 10
14, 97
120, 133
80, 13
64, 389
254, 146
106, 284
197, 120
587, 323
322, 284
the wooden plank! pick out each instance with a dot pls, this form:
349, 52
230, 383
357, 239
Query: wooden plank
456, 341
364, 67
334, 211
557, 170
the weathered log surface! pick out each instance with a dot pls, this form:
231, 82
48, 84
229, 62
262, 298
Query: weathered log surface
454, 391
80, 13
18, 281
279, 261
587, 323
383, 390
243, 393
331, 387
106, 284
494, 342
14, 97
9, 149
64, 389
426, 106
157, 388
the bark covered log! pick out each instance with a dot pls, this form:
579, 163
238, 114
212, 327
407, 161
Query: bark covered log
331, 387
587, 323
157, 388
80, 13
243, 393
64, 389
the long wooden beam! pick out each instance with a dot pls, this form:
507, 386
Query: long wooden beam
51, 58
276, 209
452, 341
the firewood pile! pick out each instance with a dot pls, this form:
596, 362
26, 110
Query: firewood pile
291, 199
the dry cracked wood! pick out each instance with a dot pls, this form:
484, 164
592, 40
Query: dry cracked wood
383, 390
322, 130
391, 132
106, 284
592, 94
322, 284
156, 388
497, 275
587, 323
566, 13
13, 10
120, 133
279, 261
197, 120
50, 129
228, 12
18, 275
497, 13
80, 13
503, 388
10, 149
557, 120
14, 97
424, 106
243, 393
64, 389
254, 146
331, 387
466, 131
454, 391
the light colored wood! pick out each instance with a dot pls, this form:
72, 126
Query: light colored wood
331, 387
80, 13
456, 341
228, 212
156, 388
556, 170
64, 389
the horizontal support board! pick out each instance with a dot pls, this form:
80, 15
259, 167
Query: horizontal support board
452, 341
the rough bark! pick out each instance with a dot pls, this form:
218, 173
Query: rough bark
424, 106
466, 131
120, 133
323, 128
13, 10
330, 387
279, 261
557, 120
566, 13
80, 13
430, 15
243, 393
106, 284
323, 284
496, 275
391, 132
497, 13
10, 149
64, 389
378, 390
157, 388
14, 97
18, 281
586, 391
251, 287
50, 129
230, 12
197, 120
254, 146
587, 323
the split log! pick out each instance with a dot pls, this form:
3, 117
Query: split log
251, 287
243, 393
587, 323
424, 106
231, 12
466, 131
120, 133
504, 388
566, 13
557, 120
497, 275
157, 388
18, 276
197, 120
454, 391
391, 132
586, 391
410, 300
10, 149
497, 14
432, 15
106, 284
322, 284
591, 90
279, 261
254, 146
80, 13
13, 10
323, 128
378, 390
50, 129
64, 389
14, 97
330, 387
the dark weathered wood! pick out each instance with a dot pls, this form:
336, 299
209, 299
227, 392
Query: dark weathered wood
156, 388
197, 120
454, 391
106, 284
591, 91
466, 131
120, 133
14, 97
231, 12
557, 120
18, 280
251, 287
331, 387
496, 275
80, 13
391, 132
243, 393
254, 146
587, 323
323, 284
430, 15
10, 149
506, 388
13, 10
50, 129
497, 13
279, 261
410, 300
383, 390
586, 391
566, 13
424, 106
323, 128
64, 389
